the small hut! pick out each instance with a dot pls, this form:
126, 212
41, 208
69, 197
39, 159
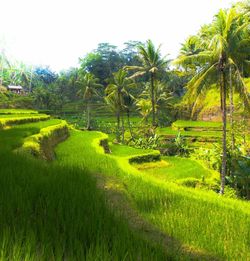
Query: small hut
16, 89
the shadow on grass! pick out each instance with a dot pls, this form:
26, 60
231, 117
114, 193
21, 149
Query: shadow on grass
116, 196
54, 213
13, 138
49, 212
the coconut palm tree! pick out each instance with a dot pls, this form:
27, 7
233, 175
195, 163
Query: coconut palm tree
152, 65
118, 89
223, 44
129, 102
22, 75
89, 84
162, 95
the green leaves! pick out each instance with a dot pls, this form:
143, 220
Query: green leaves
228, 37
89, 85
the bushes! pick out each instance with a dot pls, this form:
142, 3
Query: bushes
151, 142
10, 100
211, 157
189, 182
151, 156
200, 220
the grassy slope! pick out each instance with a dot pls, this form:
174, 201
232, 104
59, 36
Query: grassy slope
55, 212
105, 121
202, 220
13, 138
21, 118
211, 102
45, 217
205, 134
196, 124
175, 168
17, 111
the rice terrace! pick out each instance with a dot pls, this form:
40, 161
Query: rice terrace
131, 155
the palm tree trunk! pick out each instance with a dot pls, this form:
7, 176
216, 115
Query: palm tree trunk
118, 125
153, 99
118, 116
88, 116
244, 124
231, 108
123, 130
224, 137
129, 125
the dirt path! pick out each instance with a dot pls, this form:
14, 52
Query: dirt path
117, 199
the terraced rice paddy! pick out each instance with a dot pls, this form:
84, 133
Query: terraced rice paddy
88, 205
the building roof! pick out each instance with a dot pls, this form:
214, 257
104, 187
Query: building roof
12, 87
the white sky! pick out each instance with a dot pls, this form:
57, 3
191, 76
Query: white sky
58, 32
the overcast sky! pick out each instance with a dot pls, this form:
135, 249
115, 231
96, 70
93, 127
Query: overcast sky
58, 32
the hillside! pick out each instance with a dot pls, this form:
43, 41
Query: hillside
208, 108
125, 205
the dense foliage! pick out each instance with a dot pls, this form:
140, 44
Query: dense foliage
137, 81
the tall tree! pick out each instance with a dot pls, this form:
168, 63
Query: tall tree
89, 84
118, 89
218, 52
129, 102
102, 62
152, 65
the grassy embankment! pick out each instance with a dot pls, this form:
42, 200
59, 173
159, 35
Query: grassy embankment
203, 221
199, 133
17, 111
12, 119
58, 212
197, 129
55, 212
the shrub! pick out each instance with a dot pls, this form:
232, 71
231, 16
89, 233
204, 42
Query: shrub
151, 142
153, 156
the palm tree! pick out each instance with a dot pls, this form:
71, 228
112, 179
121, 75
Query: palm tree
162, 95
89, 85
129, 101
152, 65
118, 89
222, 43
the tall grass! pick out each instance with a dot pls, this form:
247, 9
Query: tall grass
50, 212
168, 131
13, 138
17, 111
54, 212
20, 119
177, 168
196, 124
201, 220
